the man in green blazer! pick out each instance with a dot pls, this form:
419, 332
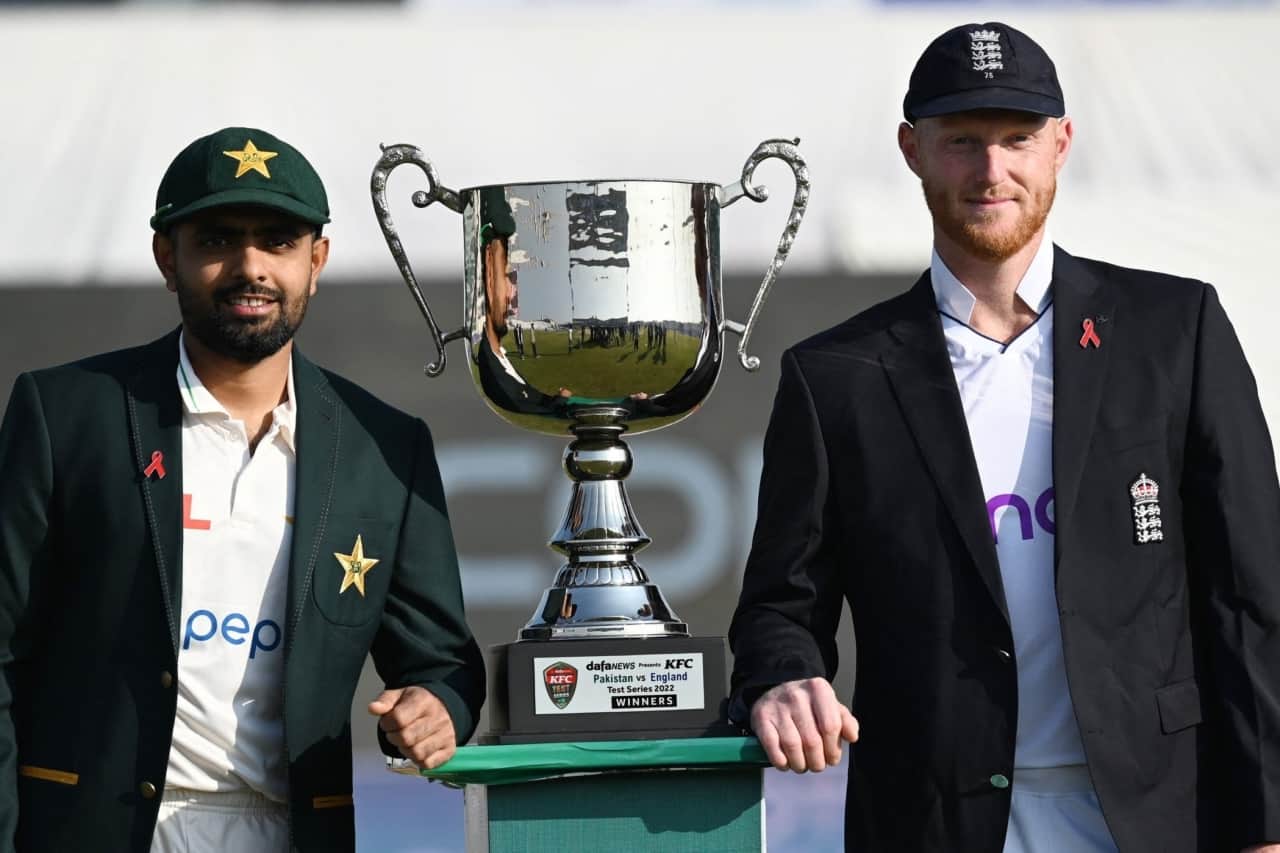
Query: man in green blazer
201, 539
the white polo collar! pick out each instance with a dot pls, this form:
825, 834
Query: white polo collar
957, 301
199, 400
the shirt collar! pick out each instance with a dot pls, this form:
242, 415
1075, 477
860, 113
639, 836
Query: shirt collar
956, 300
199, 400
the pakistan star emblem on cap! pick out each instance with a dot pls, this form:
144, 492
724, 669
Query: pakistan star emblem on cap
355, 566
250, 159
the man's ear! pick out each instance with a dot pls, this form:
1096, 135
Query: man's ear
319, 257
162, 249
1066, 132
909, 145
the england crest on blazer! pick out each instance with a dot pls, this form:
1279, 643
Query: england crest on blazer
1147, 524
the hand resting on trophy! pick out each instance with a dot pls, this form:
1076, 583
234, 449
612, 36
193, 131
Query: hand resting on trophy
802, 725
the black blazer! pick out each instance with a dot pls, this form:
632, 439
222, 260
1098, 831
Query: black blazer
90, 591
870, 494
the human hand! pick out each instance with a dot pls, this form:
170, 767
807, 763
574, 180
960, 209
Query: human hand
416, 722
1262, 848
801, 725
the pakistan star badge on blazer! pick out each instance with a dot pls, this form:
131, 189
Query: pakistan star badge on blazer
354, 567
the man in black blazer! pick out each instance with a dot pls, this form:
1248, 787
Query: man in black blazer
1046, 489
200, 541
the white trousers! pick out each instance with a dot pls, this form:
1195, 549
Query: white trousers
1054, 810
203, 822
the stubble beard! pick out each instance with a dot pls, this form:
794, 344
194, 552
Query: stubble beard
245, 341
977, 237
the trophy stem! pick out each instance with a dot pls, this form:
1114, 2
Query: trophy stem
600, 590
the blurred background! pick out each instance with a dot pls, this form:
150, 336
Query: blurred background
1173, 169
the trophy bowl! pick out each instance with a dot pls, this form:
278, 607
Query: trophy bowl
592, 309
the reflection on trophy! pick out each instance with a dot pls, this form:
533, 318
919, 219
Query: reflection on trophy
593, 309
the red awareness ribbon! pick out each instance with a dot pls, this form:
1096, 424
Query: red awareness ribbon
156, 466
1089, 336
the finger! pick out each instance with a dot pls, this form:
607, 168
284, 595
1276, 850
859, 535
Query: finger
422, 750
849, 728
767, 734
810, 740
409, 712
826, 713
419, 747
385, 702
437, 758
791, 743
413, 702
424, 728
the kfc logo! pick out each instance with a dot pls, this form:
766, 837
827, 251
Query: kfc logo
561, 680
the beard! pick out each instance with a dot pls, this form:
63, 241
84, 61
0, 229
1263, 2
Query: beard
245, 340
976, 235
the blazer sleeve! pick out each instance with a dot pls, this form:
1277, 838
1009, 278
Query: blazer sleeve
1232, 527
26, 486
784, 628
424, 639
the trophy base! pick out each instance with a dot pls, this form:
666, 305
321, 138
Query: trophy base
607, 689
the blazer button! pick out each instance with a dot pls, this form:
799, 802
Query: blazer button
166, 679
999, 780
147, 790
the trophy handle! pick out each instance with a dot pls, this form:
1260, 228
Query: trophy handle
785, 150
398, 155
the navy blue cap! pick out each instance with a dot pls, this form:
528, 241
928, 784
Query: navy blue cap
983, 66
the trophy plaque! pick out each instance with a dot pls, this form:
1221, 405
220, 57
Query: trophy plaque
593, 309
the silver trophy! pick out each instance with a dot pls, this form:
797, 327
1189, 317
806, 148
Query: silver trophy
593, 309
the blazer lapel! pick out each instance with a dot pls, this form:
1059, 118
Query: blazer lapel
920, 371
319, 428
1079, 374
155, 430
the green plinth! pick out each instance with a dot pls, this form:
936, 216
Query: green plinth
700, 795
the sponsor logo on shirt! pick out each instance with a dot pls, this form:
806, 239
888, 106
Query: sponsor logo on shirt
1041, 510
204, 626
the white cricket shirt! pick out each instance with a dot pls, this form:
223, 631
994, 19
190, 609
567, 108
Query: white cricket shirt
1007, 391
237, 529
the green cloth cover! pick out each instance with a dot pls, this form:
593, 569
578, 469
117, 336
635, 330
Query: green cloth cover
507, 764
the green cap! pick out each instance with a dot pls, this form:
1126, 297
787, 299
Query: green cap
495, 214
240, 165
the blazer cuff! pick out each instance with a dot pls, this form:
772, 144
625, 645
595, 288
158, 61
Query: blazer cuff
740, 703
464, 723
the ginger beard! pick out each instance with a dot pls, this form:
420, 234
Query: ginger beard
983, 234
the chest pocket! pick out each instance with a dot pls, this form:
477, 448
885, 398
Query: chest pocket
354, 562
1146, 436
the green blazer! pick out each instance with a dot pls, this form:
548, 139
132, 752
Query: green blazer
90, 596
